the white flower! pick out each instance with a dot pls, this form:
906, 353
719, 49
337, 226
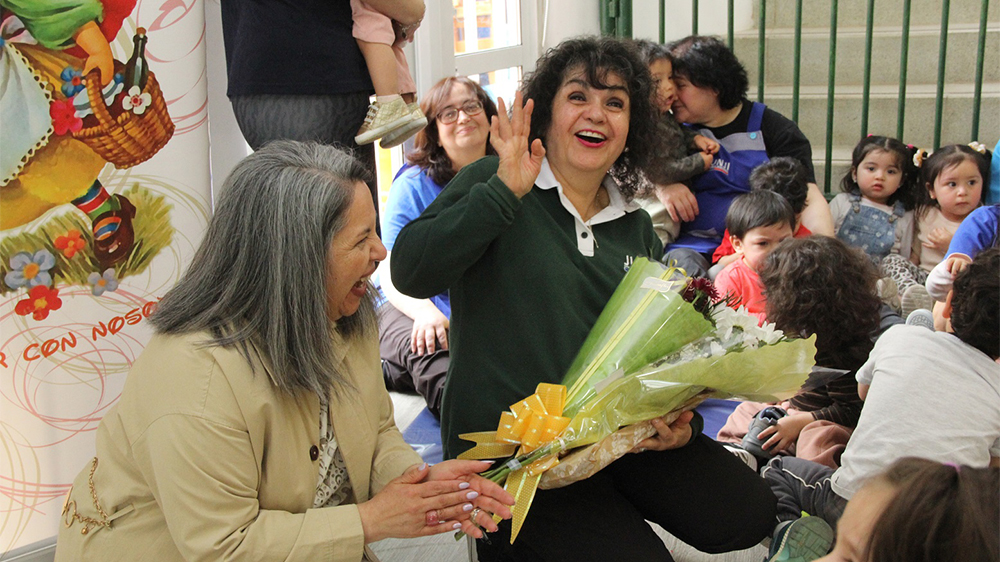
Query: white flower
136, 101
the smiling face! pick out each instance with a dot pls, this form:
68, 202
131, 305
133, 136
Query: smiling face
695, 104
663, 84
855, 526
758, 242
958, 190
468, 132
353, 256
879, 175
589, 125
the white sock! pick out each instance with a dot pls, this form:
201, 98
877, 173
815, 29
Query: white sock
386, 99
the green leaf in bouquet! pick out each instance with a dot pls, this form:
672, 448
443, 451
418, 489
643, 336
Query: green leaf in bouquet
637, 327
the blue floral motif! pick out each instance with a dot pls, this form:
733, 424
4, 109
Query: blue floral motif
103, 282
72, 81
30, 270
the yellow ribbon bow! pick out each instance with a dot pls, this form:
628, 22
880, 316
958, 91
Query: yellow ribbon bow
530, 423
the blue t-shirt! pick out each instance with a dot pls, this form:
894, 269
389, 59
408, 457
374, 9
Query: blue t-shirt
412, 191
977, 232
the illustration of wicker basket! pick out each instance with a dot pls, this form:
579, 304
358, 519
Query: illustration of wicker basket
121, 137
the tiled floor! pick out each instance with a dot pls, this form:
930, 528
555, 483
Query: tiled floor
444, 547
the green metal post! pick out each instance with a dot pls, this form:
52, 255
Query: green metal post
904, 54
867, 82
663, 21
942, 55
977, 99
694, 17
624, 22
831, 83
797, 68
607, 12
730, 34
760, 51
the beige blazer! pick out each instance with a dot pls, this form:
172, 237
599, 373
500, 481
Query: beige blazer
204, 459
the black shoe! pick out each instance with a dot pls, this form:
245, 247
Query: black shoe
764, 419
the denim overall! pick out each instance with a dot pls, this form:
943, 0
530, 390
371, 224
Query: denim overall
739, 154
870, 229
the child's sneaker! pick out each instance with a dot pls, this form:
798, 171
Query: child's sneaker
921, 317
915, 297
888, 291
763, 420
802, 540
399, 135
381, 119
743, 454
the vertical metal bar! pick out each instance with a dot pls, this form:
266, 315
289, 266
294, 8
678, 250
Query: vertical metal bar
904, 54
607, 9
867, 81
663, 21
830, 87
730, 34
624, 23
942, 55
797, 67
760, 50
977, 98
694, 17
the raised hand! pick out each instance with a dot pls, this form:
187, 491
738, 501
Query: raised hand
520, 160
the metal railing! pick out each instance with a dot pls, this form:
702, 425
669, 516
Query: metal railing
616, 19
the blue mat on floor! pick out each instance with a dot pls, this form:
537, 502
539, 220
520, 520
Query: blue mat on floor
424, 434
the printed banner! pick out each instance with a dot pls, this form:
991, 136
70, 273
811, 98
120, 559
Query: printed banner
104, 196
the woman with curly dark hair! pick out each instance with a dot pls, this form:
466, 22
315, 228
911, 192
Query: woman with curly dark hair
530, 246
803, 278
413, 333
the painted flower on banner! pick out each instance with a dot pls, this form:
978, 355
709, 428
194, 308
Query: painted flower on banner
64, 117
72, 81
136, 101
101, 282
30, 270
41, 300
70, 243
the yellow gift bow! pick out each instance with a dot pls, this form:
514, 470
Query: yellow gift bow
530, 423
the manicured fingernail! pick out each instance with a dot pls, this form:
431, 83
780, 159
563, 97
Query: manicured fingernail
456, 526
472, 495
467, 507
463, 486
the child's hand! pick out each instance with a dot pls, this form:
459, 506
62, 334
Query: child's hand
706, 144
708, 160
939, 238
956, 264
785, 432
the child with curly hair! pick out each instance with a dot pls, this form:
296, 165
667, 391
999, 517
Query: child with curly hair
801, 278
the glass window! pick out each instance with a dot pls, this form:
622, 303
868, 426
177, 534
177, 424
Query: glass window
493, 23
500, 83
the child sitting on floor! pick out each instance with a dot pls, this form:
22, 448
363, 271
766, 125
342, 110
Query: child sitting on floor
788, 178
916, 511
757, 222
802, 279
927, 394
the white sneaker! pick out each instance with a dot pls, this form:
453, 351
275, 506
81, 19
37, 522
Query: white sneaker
381, 119
921, 317
888, 292
399, 135
915, 297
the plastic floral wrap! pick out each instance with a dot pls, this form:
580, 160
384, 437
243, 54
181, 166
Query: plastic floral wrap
661, 346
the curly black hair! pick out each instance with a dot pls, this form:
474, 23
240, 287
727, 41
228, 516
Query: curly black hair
975, 303
427, 151
785, 176
707, 62
600, 58
651, 51
804, 277
939, 161
904, 155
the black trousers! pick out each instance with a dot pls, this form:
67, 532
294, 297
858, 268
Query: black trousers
700, 493
404, 370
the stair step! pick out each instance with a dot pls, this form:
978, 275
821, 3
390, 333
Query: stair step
781, 13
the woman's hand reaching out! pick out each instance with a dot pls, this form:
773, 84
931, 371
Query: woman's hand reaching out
520, 160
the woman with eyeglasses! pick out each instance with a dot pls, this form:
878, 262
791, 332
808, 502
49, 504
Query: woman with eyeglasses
531, 244
413, 333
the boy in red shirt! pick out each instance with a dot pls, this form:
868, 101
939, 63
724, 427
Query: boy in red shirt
756, 222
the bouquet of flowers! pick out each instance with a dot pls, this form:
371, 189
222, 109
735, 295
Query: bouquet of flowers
662, 345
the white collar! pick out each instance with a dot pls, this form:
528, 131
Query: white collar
616, 208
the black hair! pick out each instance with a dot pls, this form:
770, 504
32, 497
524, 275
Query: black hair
650, 51
904, 157
707, 62
975, 303
942, 159
757, 209
600, 58
785, 176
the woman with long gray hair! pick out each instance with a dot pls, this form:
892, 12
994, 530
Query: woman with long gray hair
255, 424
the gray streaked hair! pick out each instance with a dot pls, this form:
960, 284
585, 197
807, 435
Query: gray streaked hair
259, 277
